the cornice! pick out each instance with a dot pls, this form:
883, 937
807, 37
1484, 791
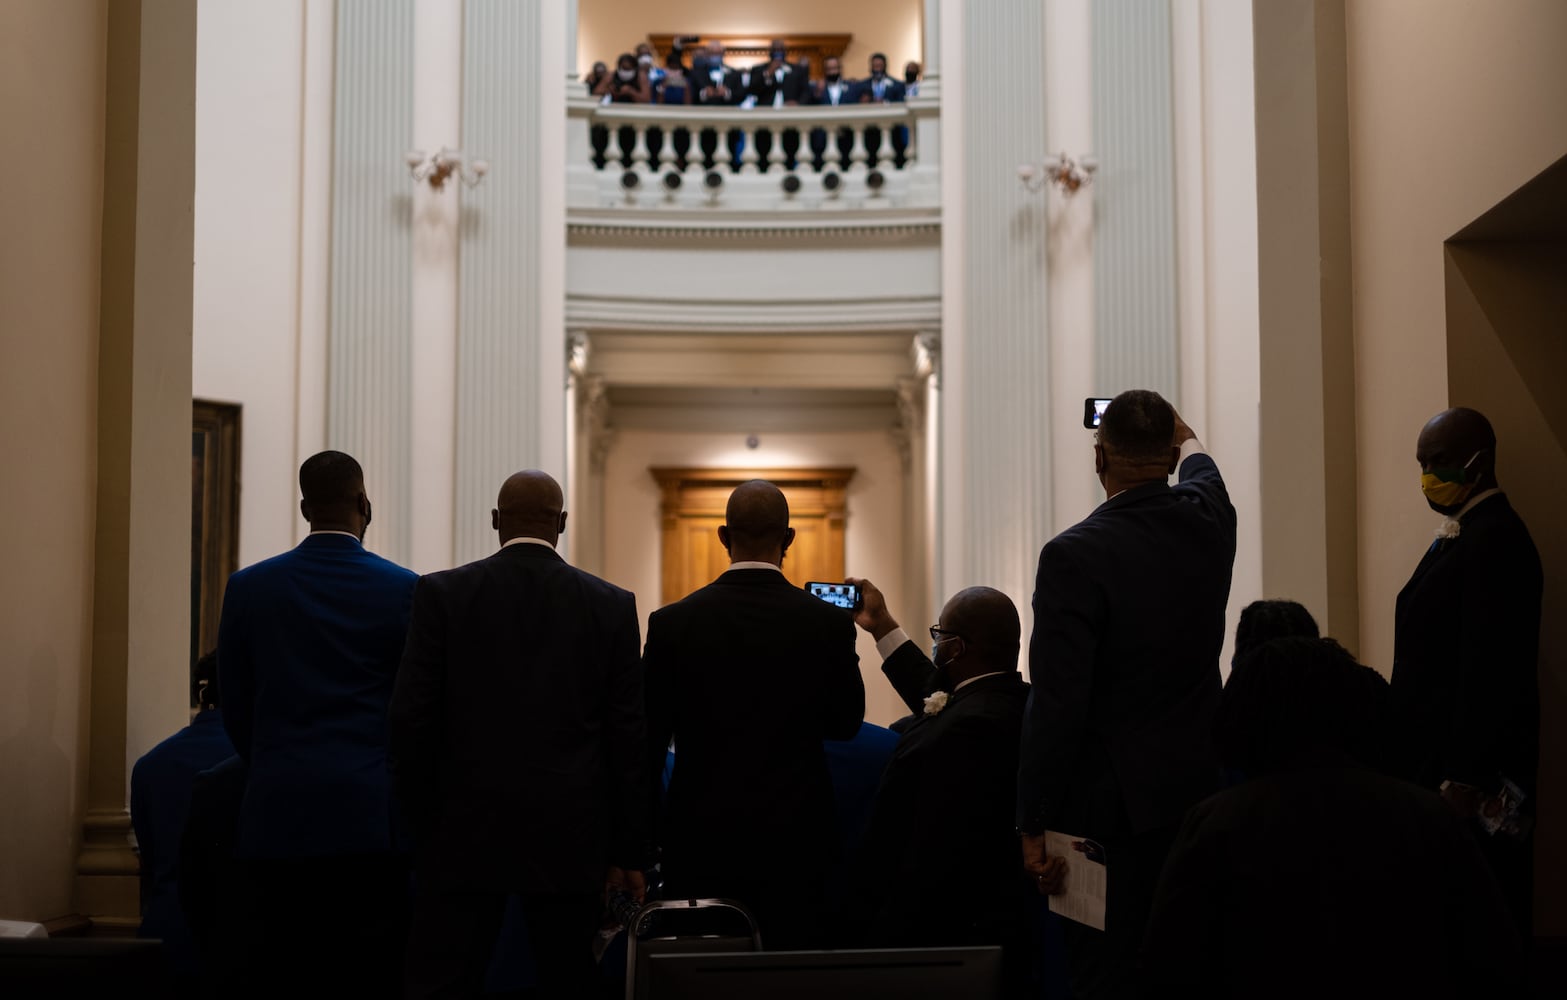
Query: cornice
620, 227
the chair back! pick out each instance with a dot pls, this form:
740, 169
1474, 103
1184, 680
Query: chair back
671, 926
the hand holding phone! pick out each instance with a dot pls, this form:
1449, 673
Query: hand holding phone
843, 595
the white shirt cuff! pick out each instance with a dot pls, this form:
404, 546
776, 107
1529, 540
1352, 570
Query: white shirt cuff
890, 642
1191, 446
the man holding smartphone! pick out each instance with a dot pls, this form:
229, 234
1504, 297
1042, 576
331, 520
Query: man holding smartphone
1124, 659
748, 675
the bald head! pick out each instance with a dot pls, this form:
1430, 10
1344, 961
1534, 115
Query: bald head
988, 623
756, 523
529, 506
1459, 438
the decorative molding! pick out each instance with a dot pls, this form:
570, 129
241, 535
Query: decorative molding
654, 227
370, 341
752, 316
593, 419
1136, 319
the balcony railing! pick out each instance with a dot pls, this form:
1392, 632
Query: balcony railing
652, 156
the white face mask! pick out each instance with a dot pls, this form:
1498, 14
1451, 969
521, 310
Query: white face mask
645, 60
626, 74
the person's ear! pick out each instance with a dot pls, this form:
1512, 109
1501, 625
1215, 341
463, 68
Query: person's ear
304, 509
723, 536
365, 508
788, 540
1100, 464
495, 518
560, 528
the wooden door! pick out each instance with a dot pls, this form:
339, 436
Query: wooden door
693, 509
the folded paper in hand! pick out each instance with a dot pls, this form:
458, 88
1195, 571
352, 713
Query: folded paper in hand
1082, 896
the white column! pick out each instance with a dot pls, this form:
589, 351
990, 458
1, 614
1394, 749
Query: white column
1068, 73
315, 240
1135, 318
370, 350
511, 382
995, 321
437, 111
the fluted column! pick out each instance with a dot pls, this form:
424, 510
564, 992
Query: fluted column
995, 340
1136, 344
369, 388
511, 383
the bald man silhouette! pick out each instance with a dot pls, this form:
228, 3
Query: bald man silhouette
517, 742
748, 675
1466, 646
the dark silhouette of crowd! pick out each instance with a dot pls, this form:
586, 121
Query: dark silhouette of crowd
469, 782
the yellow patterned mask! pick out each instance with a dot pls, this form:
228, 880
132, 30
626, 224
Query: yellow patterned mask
1448, 489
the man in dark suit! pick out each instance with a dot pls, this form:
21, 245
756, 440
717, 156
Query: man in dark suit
161, 784
308, 648
939, 859
715, 84
1319, 876
749, 675
779, 83
1466, 646
833, 91
878, 88
517, 751
1128, 625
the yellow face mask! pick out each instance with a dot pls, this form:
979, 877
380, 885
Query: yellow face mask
1448, 489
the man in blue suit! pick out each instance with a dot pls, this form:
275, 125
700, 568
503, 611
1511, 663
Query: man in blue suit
308, 649
1128, 625
161, 784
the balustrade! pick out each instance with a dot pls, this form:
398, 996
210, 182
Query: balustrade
658, 155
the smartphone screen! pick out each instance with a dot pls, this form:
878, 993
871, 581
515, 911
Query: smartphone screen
843, 595
1094, 411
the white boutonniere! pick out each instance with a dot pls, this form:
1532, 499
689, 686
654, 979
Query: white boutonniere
1449, 528
935, 703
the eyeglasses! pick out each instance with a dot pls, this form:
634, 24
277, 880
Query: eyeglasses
937, 633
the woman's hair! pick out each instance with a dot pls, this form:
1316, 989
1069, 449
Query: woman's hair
1262, 621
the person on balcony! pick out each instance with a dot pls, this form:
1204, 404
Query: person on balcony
834, 89
778, 83
911, 80
629, 84
715, 83
878, 88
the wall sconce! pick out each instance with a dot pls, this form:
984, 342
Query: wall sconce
1060, 170
444, 164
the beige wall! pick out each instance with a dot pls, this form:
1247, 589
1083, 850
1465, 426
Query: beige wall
246, 300
1453, 104
52, 104
606, 28
874, 536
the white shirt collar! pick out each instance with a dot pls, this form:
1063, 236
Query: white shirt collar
1476, 501
345, 534
746, 564
525, 540
964, 684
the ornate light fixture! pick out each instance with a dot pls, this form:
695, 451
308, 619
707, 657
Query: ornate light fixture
442, 165
1060, 170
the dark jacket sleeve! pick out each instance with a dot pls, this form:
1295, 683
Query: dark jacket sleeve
843, 689
236, 673
1068, 610
625, 730
912, 675
416, 719
1199, 476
